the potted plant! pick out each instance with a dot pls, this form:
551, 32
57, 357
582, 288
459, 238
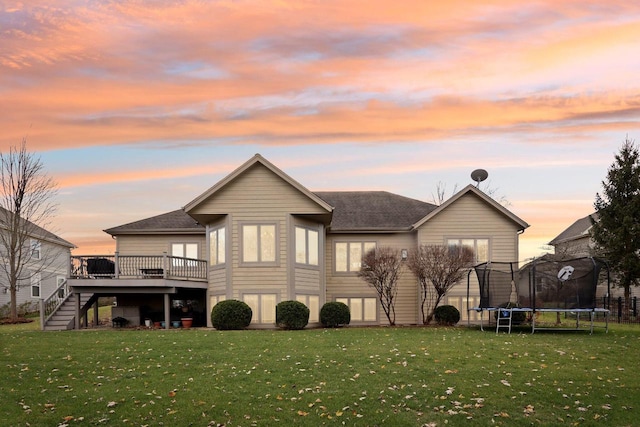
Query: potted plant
186, 316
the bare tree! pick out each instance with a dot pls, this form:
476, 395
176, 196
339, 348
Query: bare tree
381, 270
438, 268
26, 208
440, 195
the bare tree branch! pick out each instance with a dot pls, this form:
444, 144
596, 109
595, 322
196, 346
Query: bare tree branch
438, 268
26, 208
381, 270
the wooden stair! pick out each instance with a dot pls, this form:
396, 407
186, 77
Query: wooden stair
65, 317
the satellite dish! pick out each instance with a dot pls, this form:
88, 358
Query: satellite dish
565, 273
479, 175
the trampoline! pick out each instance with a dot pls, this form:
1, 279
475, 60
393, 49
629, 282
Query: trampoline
546, 285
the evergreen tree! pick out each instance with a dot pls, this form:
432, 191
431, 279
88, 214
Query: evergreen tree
616, 233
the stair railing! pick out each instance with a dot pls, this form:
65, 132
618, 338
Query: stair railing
49, 305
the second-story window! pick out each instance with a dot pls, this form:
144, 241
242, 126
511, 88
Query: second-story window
306, 246
348, 255
36, 249
480, 247
259, 243
217, 246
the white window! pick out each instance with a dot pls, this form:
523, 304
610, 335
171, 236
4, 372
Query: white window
36, 249
306, 246
62, 291
348, 255
480, 247
259, 243
184, 250
313, 304
263, 307
361, 309
217, 246
35, 285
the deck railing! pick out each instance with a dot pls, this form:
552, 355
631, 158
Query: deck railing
138, 267
49, 305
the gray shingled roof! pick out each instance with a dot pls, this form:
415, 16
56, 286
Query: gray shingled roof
354, 211
373, 210
36, 231
172, 221
578, 229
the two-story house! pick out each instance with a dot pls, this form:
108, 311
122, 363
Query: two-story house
260, 236
44, 265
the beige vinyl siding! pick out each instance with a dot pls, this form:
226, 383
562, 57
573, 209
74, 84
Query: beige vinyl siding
307, 280
349, 285
158, 244
217, 280
259, 196
470, 217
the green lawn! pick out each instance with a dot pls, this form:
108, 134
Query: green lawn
354, 376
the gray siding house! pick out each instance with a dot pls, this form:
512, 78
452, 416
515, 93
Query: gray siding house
260, 236
46, 268
575, 240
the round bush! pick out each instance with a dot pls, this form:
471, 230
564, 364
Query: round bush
446, 315
334, 314
292, 315
517, 317
231, 315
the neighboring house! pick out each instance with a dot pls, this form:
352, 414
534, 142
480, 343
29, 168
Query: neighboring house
47, 269
575, 241
266, 238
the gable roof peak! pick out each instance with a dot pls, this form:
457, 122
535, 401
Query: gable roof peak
470, 188
257, 158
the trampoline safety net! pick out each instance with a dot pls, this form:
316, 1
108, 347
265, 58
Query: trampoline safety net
566, 284
497, 283
543, 283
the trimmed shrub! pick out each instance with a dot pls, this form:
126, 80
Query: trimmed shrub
517, 317
231, 315
334, 314
292, 315
446, 315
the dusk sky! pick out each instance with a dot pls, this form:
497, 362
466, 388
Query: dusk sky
137, 107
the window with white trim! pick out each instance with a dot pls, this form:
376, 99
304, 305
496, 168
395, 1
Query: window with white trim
480, 247
36, 249
306, 246
259, 243
263, 307
217, 246
36, 284
361, 309
313, 304
348, 255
